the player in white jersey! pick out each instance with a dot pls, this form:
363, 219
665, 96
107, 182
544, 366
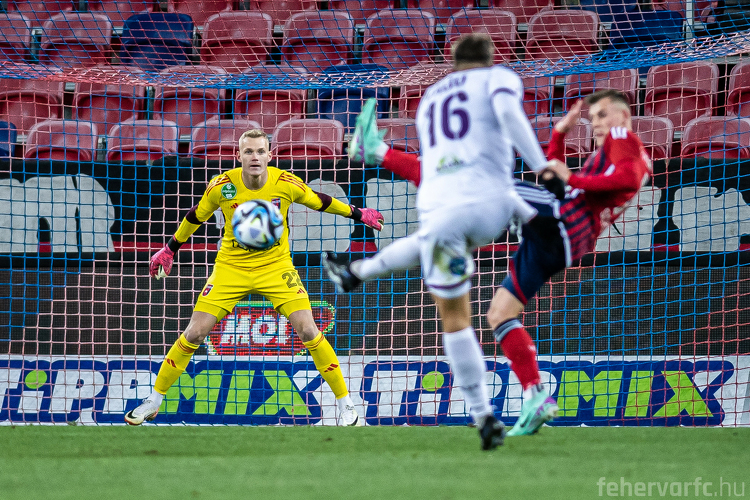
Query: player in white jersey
469, 124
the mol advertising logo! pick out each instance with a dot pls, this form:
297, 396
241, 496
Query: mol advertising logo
255, 328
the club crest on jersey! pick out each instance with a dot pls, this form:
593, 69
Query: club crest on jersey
229, 191
207, 289
457, 266
276, 202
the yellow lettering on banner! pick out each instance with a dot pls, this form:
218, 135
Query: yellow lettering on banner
605, 388
685, 397
239, 392
639, 394
204, 388
285, 396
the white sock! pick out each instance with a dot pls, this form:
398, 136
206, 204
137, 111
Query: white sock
380, 151
156, 397
469, 369
344, 402
532, 391
402, 254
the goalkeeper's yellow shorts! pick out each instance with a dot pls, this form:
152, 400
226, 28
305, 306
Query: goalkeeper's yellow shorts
278, 282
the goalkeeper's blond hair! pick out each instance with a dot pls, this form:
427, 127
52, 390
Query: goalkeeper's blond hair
254, 133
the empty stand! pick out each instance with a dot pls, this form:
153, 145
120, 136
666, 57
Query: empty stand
281, 10
578, 140
108, 104
738, 93
643, 28
27, 101
76, 38
607, 10
8, 137
360, 10
142, 140
563, 33
524, 10
119, 10
217, 139
236, 40
15, 36
537, 95
318, 39
38, 11
270, 107
721, 137
400, 134
442, 10
299, 139
344, 104
682, 91
498, 24
656, 134
69, 140
410, 95
199, 10
156, 40
578, 86
398, 39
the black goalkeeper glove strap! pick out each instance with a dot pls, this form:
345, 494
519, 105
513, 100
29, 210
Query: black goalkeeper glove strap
556, 186
356, 214
173, 244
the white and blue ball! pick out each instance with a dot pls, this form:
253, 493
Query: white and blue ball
257, 224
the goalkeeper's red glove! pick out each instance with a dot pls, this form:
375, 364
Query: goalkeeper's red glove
161, 262
368, 216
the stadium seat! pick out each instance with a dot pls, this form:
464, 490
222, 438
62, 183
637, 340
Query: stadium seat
398, 39
578, 86
8, 137
217, 139
199, 10
681, 91
119, 10
185, 105
537, 95
156, 40
108, 104
738, 92
318, 39
345, 103
410, 95
721, 137
578, 140
236, 40
656, 133
76, 39
524, 10
15, 36
142, 140
68, 140
498, 24
442, 10
269, 107
400, 134
298, 139
281, 10
38, 11
643, 28
360, 10
27, 101
608, 9
562, 33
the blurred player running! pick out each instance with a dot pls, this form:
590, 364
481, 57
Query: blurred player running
240, 271
560, 234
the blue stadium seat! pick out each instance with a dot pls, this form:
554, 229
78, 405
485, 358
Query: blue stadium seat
8, 137
639, 28
608, 9
155, 40
344, 104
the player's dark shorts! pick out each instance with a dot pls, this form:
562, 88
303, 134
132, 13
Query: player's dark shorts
544, 248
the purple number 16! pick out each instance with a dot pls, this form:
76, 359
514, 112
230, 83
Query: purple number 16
446, 113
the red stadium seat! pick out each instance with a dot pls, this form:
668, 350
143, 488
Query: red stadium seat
119, 10
537, 95
199, 10
269, 107
400, 134
27, 101
578, 141
360, 10
441, 9
524, 10
281, 10
237, 40
719, 137
142, 140
185, 105
656, 134
38, 11
564, 33
68, 140
498, 24
76, 39
738, 93
15, 36
108, 104
410, 95
318, 39
308, 138
217, 139
397, 39
682, 91
578, 86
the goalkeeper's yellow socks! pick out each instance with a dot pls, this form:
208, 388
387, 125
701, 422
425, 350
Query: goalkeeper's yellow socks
327, 364
174, 364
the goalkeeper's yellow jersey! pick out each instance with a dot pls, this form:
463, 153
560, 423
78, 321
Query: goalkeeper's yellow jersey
227, 191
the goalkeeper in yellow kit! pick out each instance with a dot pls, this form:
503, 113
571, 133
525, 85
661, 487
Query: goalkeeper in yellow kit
239, 271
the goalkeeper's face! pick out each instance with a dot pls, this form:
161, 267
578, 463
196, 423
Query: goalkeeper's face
254, 155
606, 114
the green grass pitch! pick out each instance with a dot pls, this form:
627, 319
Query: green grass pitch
436, 463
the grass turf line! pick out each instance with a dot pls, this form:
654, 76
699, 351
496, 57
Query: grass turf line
412, 463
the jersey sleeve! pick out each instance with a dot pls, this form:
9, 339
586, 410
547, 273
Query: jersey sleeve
626, 169
202, 211
556, 146
302, 194
404, 165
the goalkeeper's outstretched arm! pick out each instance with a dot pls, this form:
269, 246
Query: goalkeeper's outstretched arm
325, 203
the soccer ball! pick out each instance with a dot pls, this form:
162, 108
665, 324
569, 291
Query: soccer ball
257, 224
